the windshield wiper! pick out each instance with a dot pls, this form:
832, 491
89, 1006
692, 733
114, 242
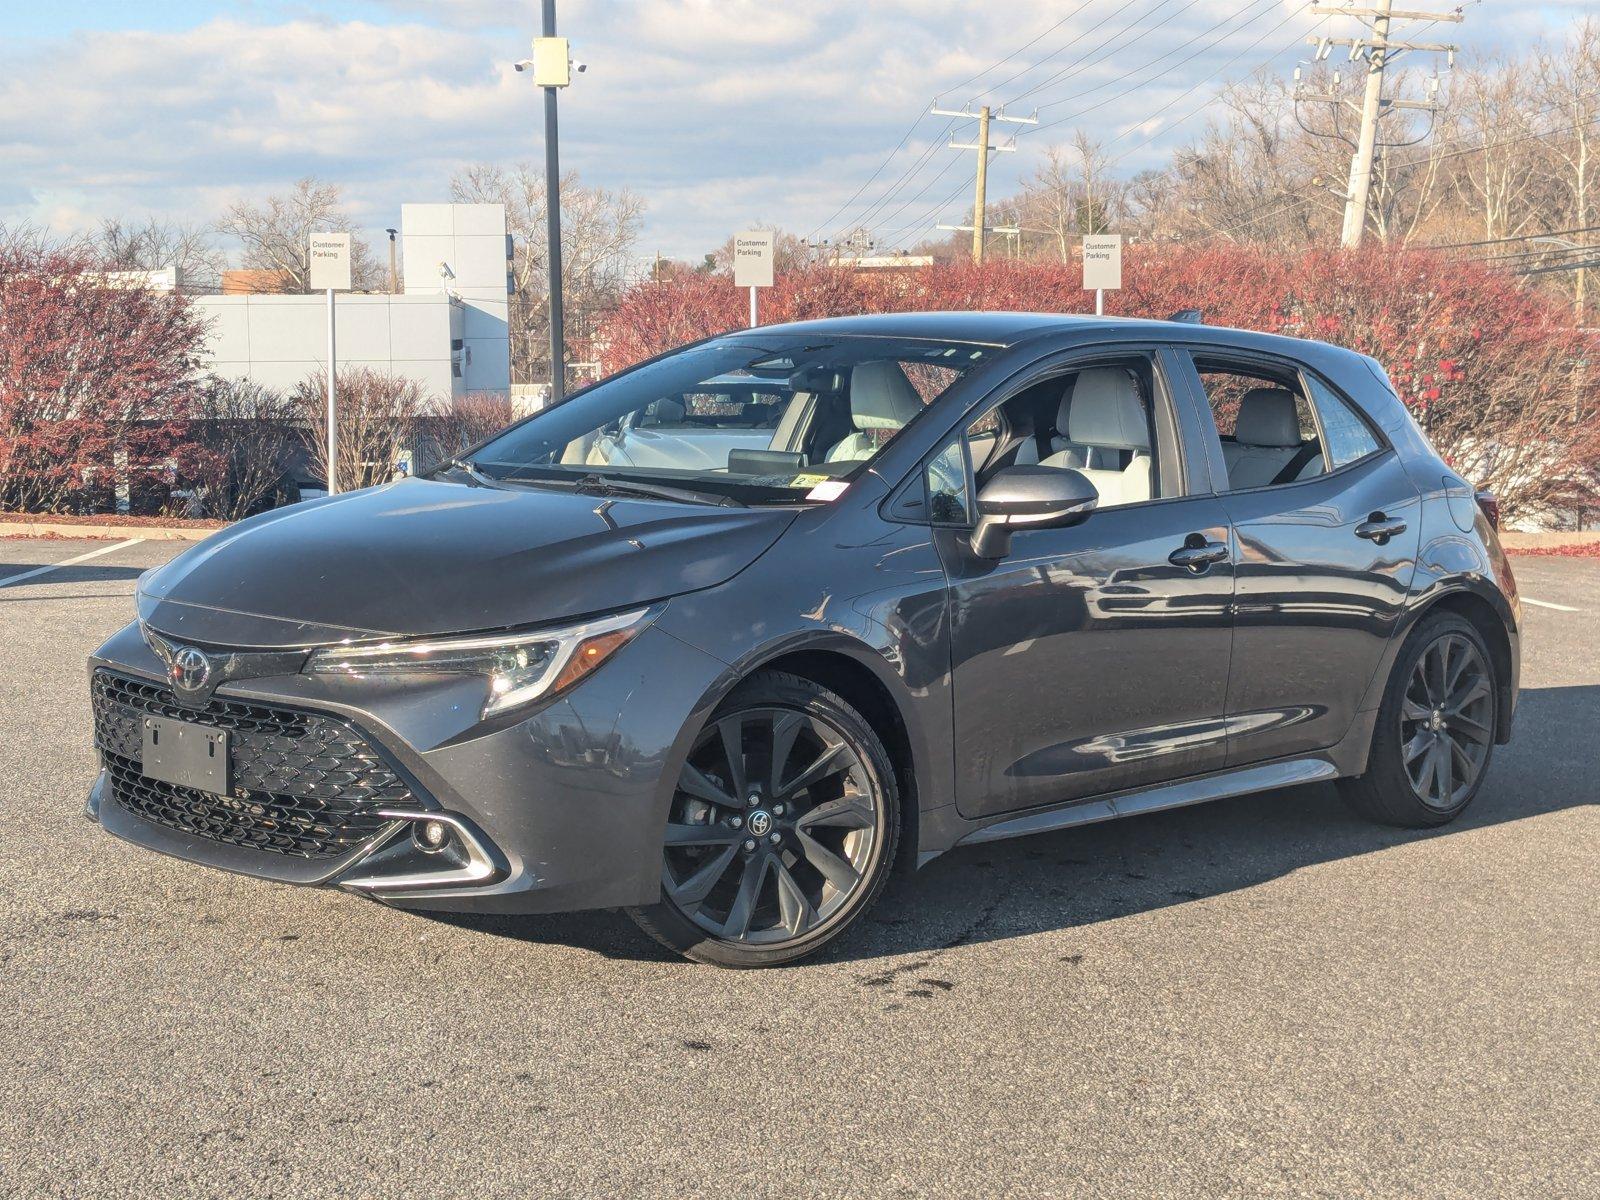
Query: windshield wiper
475, 476
600, 485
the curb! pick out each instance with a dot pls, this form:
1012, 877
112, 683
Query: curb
85, 531
1512, 541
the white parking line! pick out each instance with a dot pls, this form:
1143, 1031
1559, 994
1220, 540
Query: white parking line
1548, 604
69, 562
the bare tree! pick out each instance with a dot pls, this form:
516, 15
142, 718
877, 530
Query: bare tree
1569, 78
379, 415
1491, 111
154, 245
239, 442
599, 230
274, 234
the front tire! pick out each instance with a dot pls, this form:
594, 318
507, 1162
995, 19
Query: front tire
782, 830
1435, 732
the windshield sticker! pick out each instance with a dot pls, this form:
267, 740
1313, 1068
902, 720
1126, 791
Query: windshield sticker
828, 489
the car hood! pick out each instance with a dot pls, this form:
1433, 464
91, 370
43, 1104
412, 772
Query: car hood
425, 557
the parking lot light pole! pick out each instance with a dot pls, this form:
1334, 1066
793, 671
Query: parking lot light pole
552, 69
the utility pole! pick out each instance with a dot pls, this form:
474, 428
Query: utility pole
1378, 48
980, 203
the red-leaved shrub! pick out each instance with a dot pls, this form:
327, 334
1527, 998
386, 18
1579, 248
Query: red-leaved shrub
94, 378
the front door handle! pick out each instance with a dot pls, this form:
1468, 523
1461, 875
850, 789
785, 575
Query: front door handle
1379, 528
1197, 554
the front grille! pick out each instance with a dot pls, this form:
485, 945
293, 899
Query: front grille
304, 784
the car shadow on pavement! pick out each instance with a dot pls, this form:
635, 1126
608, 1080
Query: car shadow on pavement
1099, 873
83, 574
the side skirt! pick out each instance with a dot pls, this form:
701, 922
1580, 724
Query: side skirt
1265, 777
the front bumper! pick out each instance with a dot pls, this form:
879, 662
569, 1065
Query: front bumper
556, 809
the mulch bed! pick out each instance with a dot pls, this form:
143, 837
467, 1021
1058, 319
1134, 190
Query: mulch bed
111, 519
1573, 550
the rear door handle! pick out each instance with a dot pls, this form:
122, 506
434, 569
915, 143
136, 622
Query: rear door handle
1379, 528
1197, 554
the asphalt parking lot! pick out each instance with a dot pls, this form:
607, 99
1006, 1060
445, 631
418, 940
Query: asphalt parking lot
1259, 997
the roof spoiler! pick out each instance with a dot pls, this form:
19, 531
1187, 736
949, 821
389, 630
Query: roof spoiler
1189, 316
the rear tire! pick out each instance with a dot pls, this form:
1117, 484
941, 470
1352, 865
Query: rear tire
1434, 737
782, 831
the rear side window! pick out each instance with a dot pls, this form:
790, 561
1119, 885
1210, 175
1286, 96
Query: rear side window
1268, 430
1348, 437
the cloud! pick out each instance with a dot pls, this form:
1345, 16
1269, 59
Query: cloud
718, 112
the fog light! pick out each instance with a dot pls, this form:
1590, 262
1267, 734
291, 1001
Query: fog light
431, 835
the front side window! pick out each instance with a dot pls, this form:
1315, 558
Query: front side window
1096, 419
760, 419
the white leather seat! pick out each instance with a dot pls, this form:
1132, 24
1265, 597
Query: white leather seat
1075, 456
881, 398
1266, 438
1109, 414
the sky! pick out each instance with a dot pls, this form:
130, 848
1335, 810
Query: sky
720, 113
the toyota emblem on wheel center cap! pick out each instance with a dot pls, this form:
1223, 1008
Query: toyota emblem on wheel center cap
191, 669
760, 822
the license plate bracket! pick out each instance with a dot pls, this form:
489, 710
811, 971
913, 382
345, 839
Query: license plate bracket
186, 755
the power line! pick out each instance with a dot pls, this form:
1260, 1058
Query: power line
1515, 237
1165, 54
1079, 63
974, 78
927, 155
1073, 116
907, 230
904, 138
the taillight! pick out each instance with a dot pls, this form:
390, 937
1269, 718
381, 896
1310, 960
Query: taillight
1489, 506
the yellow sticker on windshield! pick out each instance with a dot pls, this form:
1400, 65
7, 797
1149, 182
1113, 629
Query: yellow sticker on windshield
807, 480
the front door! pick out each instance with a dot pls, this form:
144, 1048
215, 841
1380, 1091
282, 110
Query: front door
1092, 658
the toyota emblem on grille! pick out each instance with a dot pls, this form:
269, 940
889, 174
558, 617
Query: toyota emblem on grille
190, 670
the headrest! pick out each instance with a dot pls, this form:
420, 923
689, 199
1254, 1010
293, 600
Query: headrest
1267, 417
881, 397
1106, 410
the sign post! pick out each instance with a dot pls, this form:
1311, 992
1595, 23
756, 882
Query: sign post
1102, 266
752, 264
328, 257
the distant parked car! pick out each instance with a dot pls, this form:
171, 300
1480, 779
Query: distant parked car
723, 638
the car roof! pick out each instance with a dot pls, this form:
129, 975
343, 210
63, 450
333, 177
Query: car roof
1012, 328
990, 328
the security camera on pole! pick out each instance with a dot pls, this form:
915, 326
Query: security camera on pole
328, 257
753, 253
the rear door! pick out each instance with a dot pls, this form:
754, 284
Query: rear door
1327, 531
1086, 660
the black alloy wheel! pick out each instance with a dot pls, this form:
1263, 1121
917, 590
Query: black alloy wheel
780, 831
1435, 729
1447, 721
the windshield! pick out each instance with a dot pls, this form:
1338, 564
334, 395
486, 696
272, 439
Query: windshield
757, 420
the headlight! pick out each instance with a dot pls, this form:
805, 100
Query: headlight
519, 666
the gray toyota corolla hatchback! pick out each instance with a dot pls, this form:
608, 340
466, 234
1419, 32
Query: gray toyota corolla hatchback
725, 638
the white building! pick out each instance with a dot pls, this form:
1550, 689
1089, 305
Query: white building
448, 331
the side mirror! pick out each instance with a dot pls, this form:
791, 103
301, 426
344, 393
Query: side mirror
1029, 497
